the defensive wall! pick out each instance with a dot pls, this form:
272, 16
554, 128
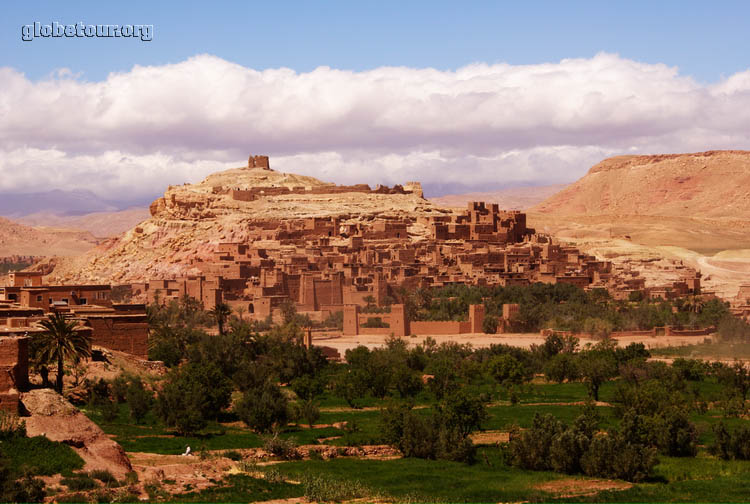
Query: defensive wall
399, 324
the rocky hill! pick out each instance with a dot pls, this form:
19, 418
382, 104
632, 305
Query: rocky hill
190, 220
17, 239
714, 185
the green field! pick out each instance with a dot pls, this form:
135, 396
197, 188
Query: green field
700, 479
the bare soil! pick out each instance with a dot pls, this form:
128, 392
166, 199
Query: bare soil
579, 487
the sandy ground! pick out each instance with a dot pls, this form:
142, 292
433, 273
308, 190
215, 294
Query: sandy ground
523, 340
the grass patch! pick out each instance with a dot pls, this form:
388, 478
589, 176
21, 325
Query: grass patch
700, 479
79, 482
105, 477
40, 456
502, 417
242, 488
322, 488
430, 480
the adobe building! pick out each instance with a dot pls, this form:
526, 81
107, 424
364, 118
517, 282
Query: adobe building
115, 326
14, 370
324, 265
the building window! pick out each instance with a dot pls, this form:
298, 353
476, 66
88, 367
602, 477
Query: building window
64, 300
39, 298
82, 301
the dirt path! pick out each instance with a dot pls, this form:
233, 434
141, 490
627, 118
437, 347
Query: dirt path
579, 487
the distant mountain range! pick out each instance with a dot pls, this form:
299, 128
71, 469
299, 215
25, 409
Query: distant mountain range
62, 203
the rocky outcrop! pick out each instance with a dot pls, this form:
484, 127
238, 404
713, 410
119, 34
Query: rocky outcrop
58, 420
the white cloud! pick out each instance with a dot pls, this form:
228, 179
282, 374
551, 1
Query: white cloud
477, 127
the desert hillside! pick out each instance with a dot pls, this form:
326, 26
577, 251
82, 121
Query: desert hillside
190, 220
690, 207
18, 239
714, 184
99, 224
517, 198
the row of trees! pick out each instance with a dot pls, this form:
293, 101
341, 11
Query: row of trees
563, 307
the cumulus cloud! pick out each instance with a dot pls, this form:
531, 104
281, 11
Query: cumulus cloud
478, 127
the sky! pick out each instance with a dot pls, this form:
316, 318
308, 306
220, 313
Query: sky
462, 96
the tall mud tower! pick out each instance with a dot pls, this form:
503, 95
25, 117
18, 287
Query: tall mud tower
258, 162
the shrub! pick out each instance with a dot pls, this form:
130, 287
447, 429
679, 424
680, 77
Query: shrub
552, 445
375, 322
307, 387
99, 392
408, 382
561, 367
351, 385
191, 395
611, 457
690, 369
273, 475
490, 324
233, 455
110, 411
139, 400
79, 482
674, 434
26, 489
310, 412
120, 388
75, 498
731, 445
104, 476
263, 408
507, 370
284, 448
438, 436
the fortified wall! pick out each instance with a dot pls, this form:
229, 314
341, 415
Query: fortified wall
355, 322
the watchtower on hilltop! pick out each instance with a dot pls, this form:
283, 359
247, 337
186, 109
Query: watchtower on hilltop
258, 162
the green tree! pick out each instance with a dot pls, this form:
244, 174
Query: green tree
61, 341
596, 367
191, 395
263, 408
139, 399
507, 370
561, 367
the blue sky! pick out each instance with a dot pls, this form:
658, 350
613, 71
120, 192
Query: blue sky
463, 97
704, 39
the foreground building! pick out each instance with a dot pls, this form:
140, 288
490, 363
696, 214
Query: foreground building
25, 300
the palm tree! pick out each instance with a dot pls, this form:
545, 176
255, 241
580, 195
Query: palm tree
61, 340
693, 304
220, 312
